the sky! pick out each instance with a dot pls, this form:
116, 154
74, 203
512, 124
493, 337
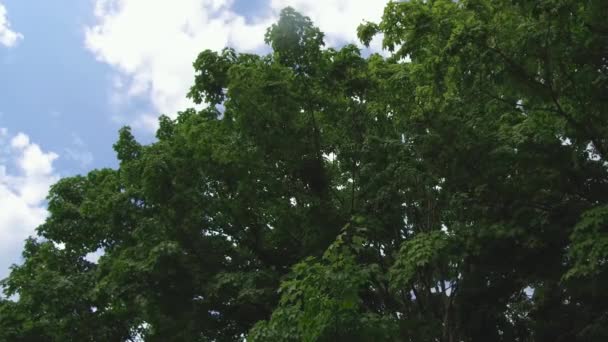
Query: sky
72, 72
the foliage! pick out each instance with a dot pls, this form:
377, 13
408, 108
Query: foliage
454, 191
320, 301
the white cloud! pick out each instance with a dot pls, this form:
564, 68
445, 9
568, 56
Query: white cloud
152, 44
146, 122
26, 173
79, 152
82, 157
8, 37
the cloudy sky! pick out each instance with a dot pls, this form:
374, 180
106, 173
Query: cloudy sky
72, 72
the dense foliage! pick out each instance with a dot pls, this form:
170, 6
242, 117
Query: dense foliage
455, 191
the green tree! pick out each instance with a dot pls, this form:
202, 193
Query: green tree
454, 191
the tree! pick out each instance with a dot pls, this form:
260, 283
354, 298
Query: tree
451, 192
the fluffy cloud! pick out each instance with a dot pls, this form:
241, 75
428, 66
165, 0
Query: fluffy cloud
8, 37
26, 173
152, 44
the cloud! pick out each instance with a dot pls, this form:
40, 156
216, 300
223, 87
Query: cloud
8, 37
152, 44
78, 152
146, 122
26, 173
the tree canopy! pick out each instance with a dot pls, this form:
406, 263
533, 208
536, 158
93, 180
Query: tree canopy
454, 191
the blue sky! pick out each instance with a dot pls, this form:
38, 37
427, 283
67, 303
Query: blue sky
50, 87
72, 72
